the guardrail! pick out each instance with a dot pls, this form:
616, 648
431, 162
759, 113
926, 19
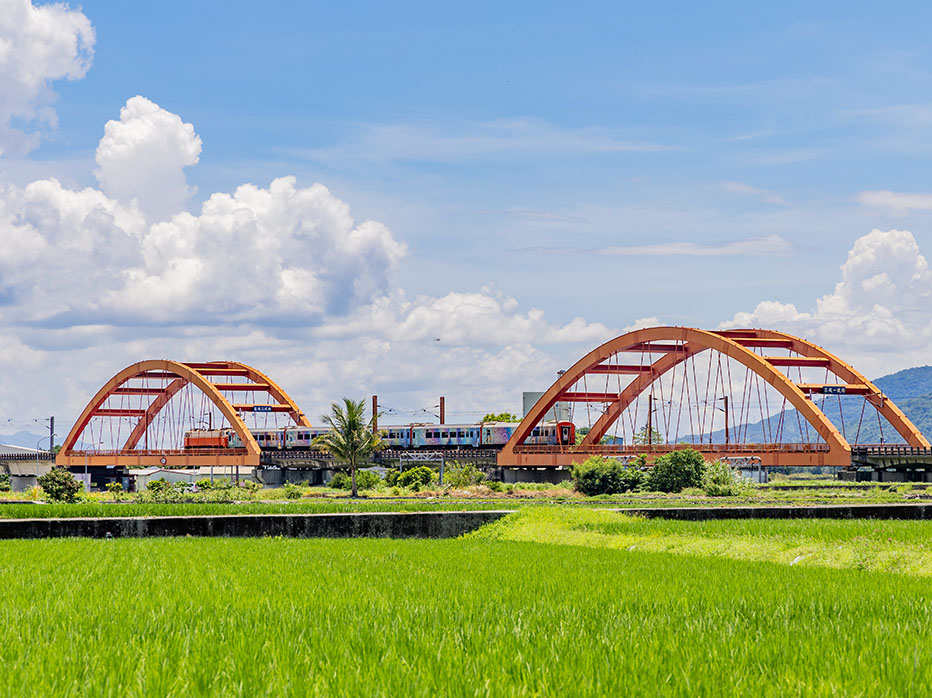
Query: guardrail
889, 450
40, 456
605, 449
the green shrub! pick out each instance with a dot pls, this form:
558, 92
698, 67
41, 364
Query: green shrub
597, 475
59, 485
340, 481
461, 475
5, 485
114, 487
367, 480
494, 485
249, 486
721, 480
416, 478
391, 477
673, 471
291, 491
160, 485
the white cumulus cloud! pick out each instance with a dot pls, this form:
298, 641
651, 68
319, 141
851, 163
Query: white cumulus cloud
879, 315
39, 44
282, 276
142, 157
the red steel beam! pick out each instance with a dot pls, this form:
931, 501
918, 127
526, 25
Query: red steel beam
262, 408
735, 334
139, 391
619, 368
242, 386
655, 348
223, 371
119, 413
811, 361
588, 397
767, 343
198, 365
848, 389
163, 375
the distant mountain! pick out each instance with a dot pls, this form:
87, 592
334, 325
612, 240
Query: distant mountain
27, 439
910, 389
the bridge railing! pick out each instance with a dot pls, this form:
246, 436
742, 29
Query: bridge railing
889, 450
41, 455
162, 452
610, 450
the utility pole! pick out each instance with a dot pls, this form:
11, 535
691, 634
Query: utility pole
726, 419
650, 420
51, 433
375, 414
443, 410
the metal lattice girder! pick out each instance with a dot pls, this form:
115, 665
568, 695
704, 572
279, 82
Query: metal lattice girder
180, 375
422, 457
674, 345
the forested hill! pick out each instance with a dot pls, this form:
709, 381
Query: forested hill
910, 389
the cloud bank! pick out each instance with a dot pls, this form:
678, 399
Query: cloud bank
282, 276
879, 314
38, 45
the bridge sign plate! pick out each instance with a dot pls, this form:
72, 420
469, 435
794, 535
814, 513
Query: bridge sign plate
834, 390
261, 408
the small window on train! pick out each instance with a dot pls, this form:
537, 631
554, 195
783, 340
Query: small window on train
445, 435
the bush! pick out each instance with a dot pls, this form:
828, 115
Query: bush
721, 480
291, 491
460, 475
597, 475
5, 485
114, 487
673, 471
416, 478
367, 480
495, 485
59, 485
249, 486
391, 477
159, 486
340, 481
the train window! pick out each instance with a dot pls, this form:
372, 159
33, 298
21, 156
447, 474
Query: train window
459, 435
445, 435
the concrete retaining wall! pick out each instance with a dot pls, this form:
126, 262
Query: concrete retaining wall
428, 524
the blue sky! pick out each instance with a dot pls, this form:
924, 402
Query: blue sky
597, 125
603, 161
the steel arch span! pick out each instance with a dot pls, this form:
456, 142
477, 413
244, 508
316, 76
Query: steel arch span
780, 377
138, 418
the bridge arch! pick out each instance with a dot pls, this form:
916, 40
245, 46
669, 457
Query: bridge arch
170, 378
675, 345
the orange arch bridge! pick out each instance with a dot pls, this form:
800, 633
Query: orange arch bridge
631, 373
132, 420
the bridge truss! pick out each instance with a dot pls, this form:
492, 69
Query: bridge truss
733, 394
139, 417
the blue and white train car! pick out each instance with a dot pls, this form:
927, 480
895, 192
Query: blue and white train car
302, 438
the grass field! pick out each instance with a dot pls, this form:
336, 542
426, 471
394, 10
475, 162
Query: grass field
486, 615
99, 504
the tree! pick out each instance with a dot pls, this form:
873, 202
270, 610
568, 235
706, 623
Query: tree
641, 437
59, 485
500, 417
350, 439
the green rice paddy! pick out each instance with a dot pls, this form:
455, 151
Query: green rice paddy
548, 602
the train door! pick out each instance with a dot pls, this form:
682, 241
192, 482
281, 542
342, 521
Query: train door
566, 433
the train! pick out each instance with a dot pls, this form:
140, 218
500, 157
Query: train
398, 437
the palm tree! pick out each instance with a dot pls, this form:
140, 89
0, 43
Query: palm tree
350, 439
